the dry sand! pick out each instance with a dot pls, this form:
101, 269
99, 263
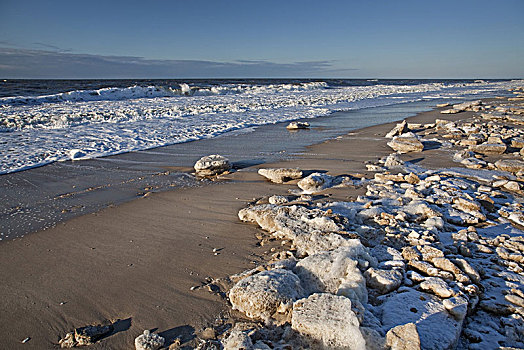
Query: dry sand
137, 262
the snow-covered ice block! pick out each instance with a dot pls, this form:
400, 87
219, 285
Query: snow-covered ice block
288, 221
436, 286
237, 339
399, 129
149, 341
212, 165
316, 182
336, 272
329, 321
436, 327
406, 143
280, 175
266, 293
403, 337
384, 281
316, 241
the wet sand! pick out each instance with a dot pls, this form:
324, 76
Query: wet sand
138, 261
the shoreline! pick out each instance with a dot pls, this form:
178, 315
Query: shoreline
39, 198
77, 274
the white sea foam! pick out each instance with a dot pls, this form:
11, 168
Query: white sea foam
135, 92
43, 129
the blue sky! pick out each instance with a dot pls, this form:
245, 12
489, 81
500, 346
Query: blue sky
285, 38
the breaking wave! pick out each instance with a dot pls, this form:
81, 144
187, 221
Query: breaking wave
137, 92
99, 122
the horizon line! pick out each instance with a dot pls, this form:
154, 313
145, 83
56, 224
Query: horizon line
3, 79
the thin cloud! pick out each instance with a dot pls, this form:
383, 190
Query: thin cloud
31, 63
51, 47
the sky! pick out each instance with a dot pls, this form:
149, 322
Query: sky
262, 39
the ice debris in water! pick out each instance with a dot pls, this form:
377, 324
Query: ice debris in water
76, 154
297, 125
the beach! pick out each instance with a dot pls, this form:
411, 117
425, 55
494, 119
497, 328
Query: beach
85, 263
147, 263
248, 175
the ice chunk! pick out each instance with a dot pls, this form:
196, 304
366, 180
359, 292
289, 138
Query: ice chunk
393, 160
406, 143
421, 208
511, 165
297, 125
436, 327
316, 242
384, 281
281, 175
316, 182
212, 165
336, 272
466, 105
398, 129
276, 199
76, 154
185, 89
437, 286
87, 335
328, 319
149, 341
237, 339
288, 221
385, 253
488, 148
457, 306
403, 337
266, 293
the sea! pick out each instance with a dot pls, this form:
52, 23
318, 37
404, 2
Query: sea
47, 121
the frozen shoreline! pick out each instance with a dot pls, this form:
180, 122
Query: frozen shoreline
139, 261
408, 264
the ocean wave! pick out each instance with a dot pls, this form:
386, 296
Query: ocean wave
111, 105
42, 133
137, 92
